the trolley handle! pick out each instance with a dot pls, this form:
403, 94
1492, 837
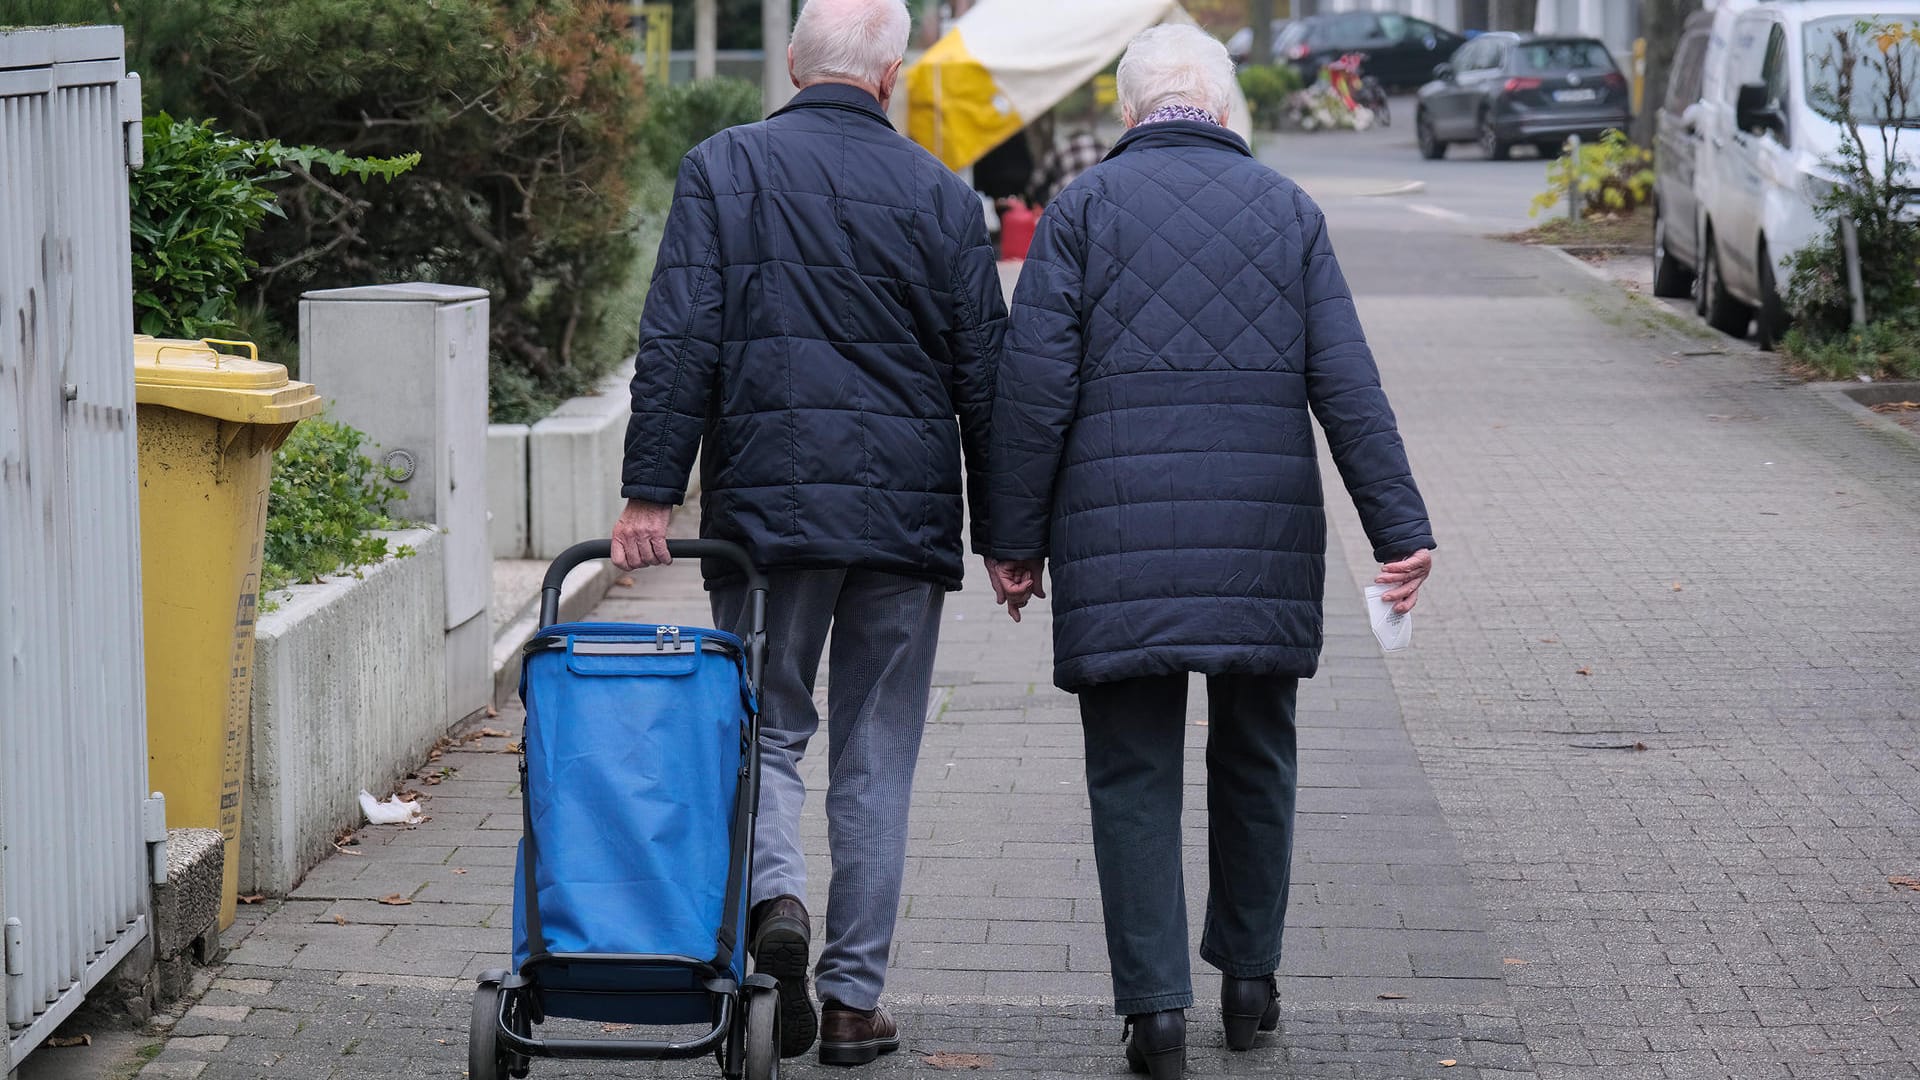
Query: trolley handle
588, 551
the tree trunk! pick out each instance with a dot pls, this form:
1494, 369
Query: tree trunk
1260, 16
706, 37
929, 23
1662, 21
776, 21
1512, 15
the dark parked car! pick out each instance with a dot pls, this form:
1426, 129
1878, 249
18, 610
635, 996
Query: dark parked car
1400, 50
1240, 45
1504, 89
1676, 138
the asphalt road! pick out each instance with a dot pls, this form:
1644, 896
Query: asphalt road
1377, 178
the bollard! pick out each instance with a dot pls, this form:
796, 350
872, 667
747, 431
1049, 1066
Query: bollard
1850, 246
1573, 179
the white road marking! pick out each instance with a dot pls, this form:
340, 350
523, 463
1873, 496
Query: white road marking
1432, 211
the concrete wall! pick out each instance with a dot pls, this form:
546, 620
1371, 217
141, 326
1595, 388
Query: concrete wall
507, 490
573, 469
349, 692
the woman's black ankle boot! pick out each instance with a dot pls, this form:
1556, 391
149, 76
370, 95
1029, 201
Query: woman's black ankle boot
1248, 1007
1157, 1044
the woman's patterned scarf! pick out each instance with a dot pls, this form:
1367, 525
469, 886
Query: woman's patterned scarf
1179, 112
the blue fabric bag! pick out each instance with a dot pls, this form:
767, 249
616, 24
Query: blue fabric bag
634, 756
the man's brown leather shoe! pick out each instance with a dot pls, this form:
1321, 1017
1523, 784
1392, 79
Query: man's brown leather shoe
780, 935
852, 1037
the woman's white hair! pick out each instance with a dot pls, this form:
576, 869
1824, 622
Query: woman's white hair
853, 40
1175, 64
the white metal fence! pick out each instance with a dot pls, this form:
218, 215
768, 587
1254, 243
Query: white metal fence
74, 866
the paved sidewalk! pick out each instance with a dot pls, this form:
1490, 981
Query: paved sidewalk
1645, 542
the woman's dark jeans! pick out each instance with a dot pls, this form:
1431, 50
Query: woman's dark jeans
1136, 746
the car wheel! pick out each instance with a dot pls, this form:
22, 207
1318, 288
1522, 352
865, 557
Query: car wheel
1491, 144
1670, 279
1724, 313
1549, 150
1431, 147
1770, 322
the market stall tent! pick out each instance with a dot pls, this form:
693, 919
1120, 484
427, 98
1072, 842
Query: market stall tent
1006, 62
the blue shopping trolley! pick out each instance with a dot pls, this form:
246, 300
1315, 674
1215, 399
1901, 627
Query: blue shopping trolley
638, 786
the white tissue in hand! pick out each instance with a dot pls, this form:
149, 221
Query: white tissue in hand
1393, 629
395, 811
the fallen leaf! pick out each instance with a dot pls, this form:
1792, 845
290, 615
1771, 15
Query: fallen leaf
1391, 997
459, 869
339, 920
1514, 961
1448, 1063
250, 898
396, 900
1549, 641
624, 582
59, 1041
510, 748
492, 712
1677, 586
948, 1060
610, 1028
1902, 881
1583, 671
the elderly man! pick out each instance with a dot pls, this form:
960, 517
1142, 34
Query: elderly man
825, 305
1179, 315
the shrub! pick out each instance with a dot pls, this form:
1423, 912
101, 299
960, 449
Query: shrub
1611, 176
527, 116
196, 201
1887, 348
680, 118
326, 499
1267, 87
1869, 188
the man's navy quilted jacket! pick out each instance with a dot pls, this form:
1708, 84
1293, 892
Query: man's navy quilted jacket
825, 305
1179, 314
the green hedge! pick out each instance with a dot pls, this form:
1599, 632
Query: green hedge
326, 499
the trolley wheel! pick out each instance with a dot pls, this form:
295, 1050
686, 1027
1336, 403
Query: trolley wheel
485, 1059
763, 1036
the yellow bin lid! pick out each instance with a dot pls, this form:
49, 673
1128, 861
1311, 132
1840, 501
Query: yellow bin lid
195, 377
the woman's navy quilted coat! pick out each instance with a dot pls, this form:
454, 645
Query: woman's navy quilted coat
1180, 313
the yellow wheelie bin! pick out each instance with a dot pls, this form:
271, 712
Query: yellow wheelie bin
209, 423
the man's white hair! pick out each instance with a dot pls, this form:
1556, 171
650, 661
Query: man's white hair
848, 40
1175, 64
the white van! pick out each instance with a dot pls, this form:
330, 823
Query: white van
1763, 149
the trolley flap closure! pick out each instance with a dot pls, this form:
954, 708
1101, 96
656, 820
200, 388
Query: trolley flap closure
668, 653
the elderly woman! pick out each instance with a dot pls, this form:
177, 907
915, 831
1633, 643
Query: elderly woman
1180, 313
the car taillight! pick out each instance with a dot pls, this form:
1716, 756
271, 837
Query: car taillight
1522, 84
1614, 80
1298, 52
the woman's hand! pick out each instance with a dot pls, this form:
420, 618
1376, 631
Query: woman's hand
1406, 575
1015, 582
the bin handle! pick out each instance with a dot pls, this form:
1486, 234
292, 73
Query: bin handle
253, 351
588, 551
161, 351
